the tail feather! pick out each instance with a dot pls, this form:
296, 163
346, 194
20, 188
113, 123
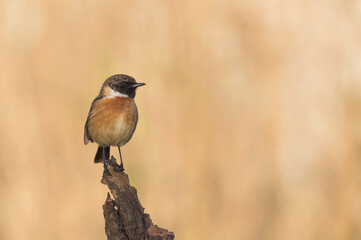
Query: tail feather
99, 156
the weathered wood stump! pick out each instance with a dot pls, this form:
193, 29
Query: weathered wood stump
124, 215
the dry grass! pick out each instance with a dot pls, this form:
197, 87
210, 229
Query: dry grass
250, 123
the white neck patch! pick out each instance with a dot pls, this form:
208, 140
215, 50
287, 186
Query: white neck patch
113, 94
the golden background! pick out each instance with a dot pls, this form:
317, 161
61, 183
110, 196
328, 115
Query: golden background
249, 128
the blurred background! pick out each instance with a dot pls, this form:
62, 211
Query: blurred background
249, 127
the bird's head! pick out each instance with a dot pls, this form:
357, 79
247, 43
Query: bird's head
120, 85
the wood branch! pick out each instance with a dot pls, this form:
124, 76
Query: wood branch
124, 215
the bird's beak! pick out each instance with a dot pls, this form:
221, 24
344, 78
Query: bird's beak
135, 85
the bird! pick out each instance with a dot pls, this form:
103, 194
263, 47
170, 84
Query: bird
113, 116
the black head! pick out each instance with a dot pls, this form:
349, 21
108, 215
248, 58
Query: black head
122, 84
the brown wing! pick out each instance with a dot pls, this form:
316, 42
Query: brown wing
87, 137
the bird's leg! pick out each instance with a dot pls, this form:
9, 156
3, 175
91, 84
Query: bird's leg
121, 160
116, 167
105, 162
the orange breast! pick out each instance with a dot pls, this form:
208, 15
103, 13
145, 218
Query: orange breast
113, 121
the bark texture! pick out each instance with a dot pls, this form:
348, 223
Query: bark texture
124, 215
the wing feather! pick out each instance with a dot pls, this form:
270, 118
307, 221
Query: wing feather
87, 137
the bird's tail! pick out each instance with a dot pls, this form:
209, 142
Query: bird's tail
102, 151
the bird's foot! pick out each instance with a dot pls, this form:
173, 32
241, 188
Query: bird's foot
106, 169
116, 167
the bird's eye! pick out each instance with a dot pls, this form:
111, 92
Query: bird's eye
121, 85
126, 84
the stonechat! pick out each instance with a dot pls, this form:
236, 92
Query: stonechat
113, 116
